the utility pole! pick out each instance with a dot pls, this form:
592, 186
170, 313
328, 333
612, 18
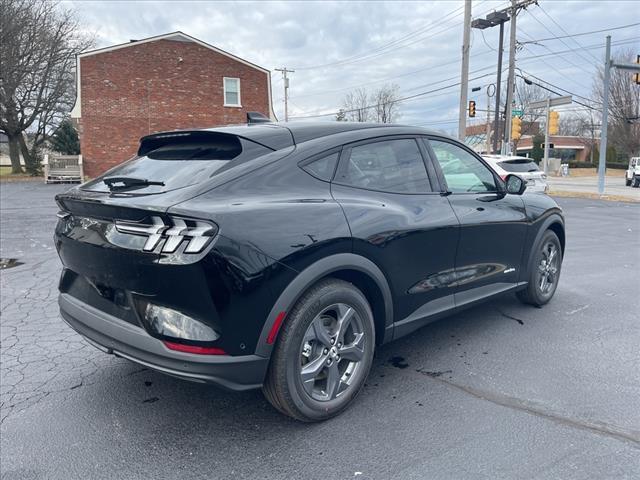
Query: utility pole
602, 161
464, 75
510, 77
490, 94
499, 17
285, 79
546, 137
496, 126
608, 65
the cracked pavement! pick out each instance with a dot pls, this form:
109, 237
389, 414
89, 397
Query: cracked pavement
499, 391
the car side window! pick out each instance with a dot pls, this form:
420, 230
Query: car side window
463, 172
323, 167
394, 166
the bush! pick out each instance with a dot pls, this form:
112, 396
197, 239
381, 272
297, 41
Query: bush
617, 165
573, 164
614, 165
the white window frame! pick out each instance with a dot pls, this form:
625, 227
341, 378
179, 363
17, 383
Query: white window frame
224, 92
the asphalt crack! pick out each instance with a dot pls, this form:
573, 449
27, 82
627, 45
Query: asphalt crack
538, 410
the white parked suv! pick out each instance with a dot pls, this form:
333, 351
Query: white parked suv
524, 167
632, 175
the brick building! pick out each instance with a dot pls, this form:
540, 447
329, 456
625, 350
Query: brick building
167, 82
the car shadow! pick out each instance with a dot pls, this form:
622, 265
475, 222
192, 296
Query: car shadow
156, 399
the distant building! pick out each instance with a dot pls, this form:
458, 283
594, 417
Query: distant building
476, 135
167, 82
566, 148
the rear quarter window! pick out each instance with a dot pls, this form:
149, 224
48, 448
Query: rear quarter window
322, 167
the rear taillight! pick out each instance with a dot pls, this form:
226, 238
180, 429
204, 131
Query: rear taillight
196, 233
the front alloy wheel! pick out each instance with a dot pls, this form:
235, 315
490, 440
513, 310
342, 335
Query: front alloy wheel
544, 271
323, 352
548, 268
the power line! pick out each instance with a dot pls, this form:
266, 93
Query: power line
381, 47
590, 47
410, 97
552, 33
565, 32
590, 107
584, 33
396, 44
431, 68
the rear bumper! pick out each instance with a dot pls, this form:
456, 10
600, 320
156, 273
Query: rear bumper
112, 335
538, 188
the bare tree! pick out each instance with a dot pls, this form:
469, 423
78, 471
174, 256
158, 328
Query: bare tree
38, 45
385, 103
590, 132
570, 125
356, 106
624, 105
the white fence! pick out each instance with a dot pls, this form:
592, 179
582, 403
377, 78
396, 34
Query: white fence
63, 169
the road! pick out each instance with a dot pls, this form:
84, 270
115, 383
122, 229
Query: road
614, 185
499, 391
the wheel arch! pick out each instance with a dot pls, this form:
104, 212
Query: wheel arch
356, 269
553, 222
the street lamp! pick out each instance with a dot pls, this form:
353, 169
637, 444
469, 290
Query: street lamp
491, 20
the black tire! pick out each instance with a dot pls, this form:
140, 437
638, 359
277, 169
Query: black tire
635, 183
538, 292
627, 182
284, 387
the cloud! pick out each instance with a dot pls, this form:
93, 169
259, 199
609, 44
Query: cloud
412, 44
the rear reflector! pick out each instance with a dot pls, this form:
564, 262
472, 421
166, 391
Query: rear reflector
180, 347
273, 333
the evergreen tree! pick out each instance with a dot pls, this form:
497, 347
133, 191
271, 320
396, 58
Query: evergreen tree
537, 152
65, 139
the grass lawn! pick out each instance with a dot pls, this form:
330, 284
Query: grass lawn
6, 175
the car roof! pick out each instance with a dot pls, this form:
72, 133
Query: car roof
277, 135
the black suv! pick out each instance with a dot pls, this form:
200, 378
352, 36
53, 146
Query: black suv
279, 255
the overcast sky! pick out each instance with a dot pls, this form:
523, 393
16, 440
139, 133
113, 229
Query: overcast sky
337, 46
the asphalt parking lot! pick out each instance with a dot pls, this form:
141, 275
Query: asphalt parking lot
500, 391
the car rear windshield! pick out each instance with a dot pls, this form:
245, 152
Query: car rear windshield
519, 165
172, 161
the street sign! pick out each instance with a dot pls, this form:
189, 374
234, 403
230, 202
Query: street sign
517, 112
553, 102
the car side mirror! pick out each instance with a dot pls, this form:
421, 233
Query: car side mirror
515, 185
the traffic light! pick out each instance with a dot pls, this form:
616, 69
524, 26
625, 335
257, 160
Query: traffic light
516, 128
472, 108
554, 120
636, 76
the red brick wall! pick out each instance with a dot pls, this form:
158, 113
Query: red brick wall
142, 89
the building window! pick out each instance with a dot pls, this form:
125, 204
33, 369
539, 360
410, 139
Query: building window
231, 92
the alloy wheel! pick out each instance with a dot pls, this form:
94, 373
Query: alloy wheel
332, 351
548, 268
